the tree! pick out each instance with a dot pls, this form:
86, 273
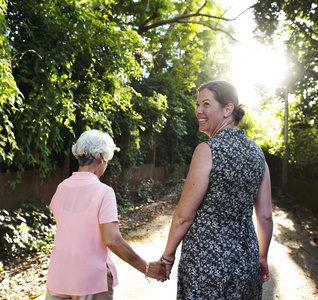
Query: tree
185, 52
297, 23
126, 67
72, 65
11, 98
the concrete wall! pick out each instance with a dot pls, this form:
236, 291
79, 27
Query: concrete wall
159, 174
31, 185
306, 193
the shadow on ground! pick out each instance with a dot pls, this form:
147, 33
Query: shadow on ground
298, 228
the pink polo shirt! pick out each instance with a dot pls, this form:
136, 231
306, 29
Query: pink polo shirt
79, 257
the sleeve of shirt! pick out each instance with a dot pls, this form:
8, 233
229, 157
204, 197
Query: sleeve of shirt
108, 209
52, 203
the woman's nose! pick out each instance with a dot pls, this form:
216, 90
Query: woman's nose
199, 109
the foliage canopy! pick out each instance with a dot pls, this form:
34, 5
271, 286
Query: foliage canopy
130, 68
296, 23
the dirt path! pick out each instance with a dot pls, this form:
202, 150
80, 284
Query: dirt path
293, 259
293, 255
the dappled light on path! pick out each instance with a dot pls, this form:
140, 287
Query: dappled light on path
132, 284
293, 256
293, 263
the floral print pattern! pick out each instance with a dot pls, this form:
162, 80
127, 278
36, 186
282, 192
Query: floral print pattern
219, 258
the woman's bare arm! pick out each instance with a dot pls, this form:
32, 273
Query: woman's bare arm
112, 238
263, 211
193, 192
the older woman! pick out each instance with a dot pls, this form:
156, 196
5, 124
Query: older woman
86, 215
222, 257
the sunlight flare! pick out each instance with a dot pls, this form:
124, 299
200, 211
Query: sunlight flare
268, 68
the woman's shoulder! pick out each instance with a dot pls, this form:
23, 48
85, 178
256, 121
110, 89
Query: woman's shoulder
203, 148
105, 187
202, 153
253, 143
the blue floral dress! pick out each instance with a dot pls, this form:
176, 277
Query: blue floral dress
220, 253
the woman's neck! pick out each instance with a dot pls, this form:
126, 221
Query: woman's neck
89, 168
224, 126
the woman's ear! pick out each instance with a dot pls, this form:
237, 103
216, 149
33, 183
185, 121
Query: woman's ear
228, 109
100, 161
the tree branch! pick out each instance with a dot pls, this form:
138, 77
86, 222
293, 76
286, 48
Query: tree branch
155, 14
205, 2
143, 28
244, 11
184, 19
211, 27
178, 18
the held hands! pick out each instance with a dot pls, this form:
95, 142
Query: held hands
156, 271
160, 269
168, 264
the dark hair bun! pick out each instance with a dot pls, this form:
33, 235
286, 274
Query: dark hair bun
239, 114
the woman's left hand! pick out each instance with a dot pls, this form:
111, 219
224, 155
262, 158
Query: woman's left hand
157, 271
168, 264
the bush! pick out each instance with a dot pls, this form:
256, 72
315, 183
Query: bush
26, 229
122, 196
127, 199
144, 191
32, 226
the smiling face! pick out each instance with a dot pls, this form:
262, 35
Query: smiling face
211, 115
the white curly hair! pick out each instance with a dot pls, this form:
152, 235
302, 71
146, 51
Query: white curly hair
92, 145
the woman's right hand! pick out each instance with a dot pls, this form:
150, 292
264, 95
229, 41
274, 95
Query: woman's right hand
264, 270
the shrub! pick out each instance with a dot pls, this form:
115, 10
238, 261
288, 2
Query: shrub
28, 228
122, 196
144, 190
